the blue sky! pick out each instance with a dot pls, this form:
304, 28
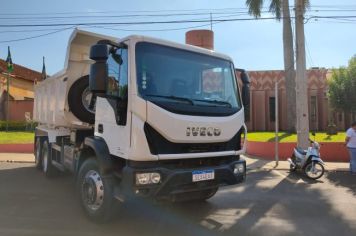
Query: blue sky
253, 45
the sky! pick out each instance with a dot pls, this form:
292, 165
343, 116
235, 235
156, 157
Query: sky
253, 44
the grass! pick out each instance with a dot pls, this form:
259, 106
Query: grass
287, 137
27, 137
16, 137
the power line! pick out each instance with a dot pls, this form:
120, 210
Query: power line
208, 10
37, 36
163, 22
122, 16
169, 29
131, 23
148, 15
103, 24
308, 53
24, 30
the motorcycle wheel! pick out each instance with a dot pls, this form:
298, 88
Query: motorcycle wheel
314, 170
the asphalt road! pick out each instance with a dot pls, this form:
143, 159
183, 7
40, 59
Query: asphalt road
268, 203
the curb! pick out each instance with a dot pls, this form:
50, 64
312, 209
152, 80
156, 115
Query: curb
287, 169
13, 161
17, 148
330, 151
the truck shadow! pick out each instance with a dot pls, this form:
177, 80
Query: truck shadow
343, 179
265, 204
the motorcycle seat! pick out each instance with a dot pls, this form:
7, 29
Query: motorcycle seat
301, 151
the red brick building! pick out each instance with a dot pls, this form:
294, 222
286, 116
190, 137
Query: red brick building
22, 80
261, 115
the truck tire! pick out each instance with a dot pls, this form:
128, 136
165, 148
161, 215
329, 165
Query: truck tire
48, 169
38, 153
95, 192
79, 99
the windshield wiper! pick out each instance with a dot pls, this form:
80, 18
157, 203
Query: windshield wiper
214, 101
171, 97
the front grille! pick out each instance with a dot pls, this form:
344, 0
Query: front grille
159, 145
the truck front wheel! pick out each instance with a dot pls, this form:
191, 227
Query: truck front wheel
96, 192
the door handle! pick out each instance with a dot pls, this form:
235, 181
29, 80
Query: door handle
101, 128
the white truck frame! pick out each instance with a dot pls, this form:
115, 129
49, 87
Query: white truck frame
135, 144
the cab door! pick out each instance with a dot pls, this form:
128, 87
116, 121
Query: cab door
111, 116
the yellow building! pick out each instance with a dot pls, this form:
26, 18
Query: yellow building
21, 80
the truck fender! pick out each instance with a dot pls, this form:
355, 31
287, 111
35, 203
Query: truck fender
101, 150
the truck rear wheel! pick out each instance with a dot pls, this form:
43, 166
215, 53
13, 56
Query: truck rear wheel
79, 97
48, 169
38, 153
96, 192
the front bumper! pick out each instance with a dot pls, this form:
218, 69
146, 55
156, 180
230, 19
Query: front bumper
177, 181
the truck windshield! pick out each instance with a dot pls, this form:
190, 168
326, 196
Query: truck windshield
186, 82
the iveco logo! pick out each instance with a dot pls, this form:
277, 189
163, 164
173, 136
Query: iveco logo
203, 131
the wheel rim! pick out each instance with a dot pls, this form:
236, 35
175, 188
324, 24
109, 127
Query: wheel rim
45, 157
314, 170
38, 151
86, 99
93, 190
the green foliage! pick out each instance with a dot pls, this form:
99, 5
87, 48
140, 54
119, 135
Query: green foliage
17, 125
275, 7
342, 87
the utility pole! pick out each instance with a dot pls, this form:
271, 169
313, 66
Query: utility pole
301, 78
276, 154
7, 100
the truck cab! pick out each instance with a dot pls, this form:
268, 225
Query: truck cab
169, 125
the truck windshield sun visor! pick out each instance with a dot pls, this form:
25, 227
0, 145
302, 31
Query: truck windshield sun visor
176, 76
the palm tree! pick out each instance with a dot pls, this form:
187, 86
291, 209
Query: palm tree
280, 8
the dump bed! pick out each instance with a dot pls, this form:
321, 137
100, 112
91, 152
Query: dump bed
51, 95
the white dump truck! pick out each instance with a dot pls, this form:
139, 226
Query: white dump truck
141, 117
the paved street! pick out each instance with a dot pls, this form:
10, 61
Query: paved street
269, 203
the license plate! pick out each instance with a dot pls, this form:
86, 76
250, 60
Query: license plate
201, 175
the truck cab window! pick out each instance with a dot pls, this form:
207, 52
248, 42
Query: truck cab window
117, 83
185, 82
118, 74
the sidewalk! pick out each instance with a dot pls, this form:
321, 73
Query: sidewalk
253, 163
17, 157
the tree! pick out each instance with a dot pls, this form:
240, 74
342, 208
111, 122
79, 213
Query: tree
280, 8
342, 87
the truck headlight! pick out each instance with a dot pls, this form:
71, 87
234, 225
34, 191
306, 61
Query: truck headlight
148, 178
239, 168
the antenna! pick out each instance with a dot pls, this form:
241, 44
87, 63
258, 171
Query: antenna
211, 21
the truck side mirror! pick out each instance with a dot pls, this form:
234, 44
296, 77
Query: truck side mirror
245, 88
99, 70
246, 95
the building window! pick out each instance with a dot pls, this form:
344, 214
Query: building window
313, 108
272, 109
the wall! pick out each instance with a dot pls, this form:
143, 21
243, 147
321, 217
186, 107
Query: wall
262, 87
18, 109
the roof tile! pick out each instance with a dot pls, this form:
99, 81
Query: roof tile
22, 72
